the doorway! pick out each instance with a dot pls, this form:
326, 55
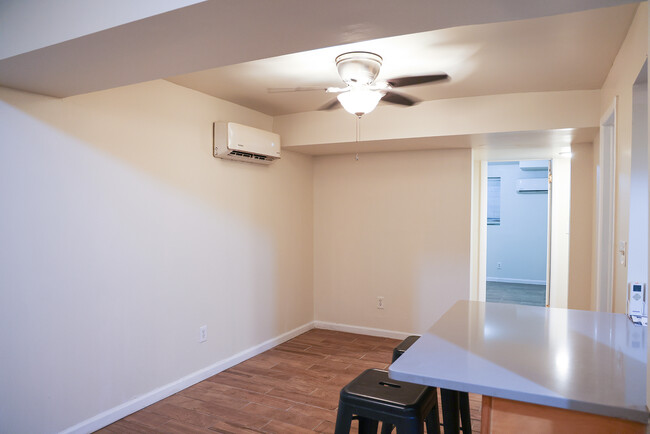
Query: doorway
517, 234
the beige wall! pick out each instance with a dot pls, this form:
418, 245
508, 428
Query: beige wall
580, 236
395, 225
619, 82
121, 235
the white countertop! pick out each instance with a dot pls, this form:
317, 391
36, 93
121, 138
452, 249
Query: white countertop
579, 360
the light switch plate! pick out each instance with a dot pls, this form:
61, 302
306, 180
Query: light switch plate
622, 252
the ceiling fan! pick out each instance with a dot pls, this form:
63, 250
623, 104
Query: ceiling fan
361, 93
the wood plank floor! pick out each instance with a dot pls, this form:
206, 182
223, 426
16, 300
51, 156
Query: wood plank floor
515, 293
292, 388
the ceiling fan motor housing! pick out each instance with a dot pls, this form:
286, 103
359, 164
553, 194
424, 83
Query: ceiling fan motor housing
358, 68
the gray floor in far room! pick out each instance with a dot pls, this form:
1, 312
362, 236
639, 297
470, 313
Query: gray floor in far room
516, 293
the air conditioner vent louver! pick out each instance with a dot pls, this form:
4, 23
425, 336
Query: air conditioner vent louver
248, 155
240, 142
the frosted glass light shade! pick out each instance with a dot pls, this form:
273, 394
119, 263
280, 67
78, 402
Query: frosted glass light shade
359, 101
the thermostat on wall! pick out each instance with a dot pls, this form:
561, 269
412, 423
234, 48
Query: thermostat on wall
636, 298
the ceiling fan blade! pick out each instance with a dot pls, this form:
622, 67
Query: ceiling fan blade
337, 89
396, 98
416, 79
331, 105
294, 89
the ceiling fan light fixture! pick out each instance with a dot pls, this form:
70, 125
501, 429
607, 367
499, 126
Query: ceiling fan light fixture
358, 68
360, 101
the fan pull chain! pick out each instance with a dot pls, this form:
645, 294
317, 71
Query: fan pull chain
358, 126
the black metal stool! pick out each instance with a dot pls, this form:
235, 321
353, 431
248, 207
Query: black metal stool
372, 397
403, 346
453, 402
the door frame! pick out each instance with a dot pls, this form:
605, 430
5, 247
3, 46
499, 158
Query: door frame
605, 206
549, 233
556, 250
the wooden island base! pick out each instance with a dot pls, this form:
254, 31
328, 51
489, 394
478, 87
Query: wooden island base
506, 416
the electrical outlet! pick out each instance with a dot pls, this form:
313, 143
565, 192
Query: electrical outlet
203, 333
498, 265
380, 302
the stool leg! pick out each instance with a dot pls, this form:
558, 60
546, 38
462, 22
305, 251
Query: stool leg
386, 428
433, 421
465, 417
411, 426
343, 420
450, 411
367, 426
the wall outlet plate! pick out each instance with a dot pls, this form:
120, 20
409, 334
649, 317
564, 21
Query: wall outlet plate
380, 302
203, 333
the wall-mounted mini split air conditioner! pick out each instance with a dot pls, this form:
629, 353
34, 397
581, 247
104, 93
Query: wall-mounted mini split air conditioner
239, 142
533, 165
532, 185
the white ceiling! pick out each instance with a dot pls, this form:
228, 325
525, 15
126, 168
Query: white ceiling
77, 51
563, 52
487, 47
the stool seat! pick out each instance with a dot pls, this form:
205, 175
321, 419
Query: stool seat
373, 397
403, 346
374, 385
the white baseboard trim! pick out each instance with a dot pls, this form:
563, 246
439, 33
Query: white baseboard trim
361, 330
509, 280
116, 413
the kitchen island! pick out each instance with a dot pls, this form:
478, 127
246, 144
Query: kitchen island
539, 369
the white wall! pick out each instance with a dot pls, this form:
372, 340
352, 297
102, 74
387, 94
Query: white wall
519, 242
120, 235
395, 225
637, 270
